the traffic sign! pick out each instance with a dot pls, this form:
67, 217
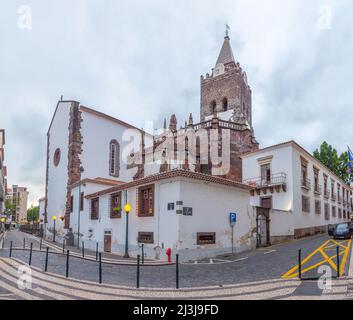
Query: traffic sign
232, 218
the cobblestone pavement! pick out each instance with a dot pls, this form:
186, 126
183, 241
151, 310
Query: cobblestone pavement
252, 275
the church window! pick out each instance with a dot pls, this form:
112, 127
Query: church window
114, 156
57, 156
225, 104
146, 201
213, 106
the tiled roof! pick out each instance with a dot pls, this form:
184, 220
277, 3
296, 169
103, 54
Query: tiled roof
226, 54
102, 181
168, 175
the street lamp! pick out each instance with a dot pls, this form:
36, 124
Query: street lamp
54, 219
127, 209
79, 209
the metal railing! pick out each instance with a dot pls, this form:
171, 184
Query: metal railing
326, 194
333, 196
272, 180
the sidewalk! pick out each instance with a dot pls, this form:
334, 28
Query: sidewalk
107, 258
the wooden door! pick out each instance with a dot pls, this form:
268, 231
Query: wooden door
107, 243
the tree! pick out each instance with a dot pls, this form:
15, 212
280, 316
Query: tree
10, 206
33, 214
337, 164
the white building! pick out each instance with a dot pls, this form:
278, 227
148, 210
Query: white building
2, 172
83, 143
292, 193
182, 210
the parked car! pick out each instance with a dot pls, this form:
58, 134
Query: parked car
331, 229
342, 231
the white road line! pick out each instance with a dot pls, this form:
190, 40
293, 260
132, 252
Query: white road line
269, 251
241, 259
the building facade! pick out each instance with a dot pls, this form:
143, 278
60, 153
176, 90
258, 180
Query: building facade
292, 193
3, 172
19, 198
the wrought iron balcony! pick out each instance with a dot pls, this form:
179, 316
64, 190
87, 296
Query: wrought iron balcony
326, 194
274, 181
333, 196
305, 183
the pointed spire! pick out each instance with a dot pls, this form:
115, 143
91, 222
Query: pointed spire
191, 121
226, 54
173, 123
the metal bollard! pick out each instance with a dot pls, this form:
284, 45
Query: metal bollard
83, 249
24, 243
143, 254
30, 254
40, 244
338, 261
46, 260
67, 263
177, 270
300, 263
64, 242
100, 267
138, 272
11, 249
97, 251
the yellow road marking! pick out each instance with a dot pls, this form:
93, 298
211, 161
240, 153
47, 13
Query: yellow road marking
309, 268
328, 259
344, 260
344, 244
305, 260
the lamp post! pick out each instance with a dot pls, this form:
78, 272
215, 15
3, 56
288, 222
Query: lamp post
79, 209
127, 209
54, 219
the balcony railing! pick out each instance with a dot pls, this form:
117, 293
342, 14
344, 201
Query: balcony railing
305, 183
317, 189
271, 181
339, 199
333, 196
326, 194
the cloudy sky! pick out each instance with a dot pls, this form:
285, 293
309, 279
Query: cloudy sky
142, 60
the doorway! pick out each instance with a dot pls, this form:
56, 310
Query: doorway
107, 242
263, 222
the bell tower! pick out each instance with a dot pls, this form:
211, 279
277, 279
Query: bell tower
226, 90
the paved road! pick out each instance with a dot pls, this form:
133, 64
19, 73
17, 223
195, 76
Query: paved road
262, 269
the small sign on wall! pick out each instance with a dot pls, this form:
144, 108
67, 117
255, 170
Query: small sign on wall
187, 211
170, 206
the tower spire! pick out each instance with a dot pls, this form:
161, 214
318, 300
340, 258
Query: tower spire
226, 54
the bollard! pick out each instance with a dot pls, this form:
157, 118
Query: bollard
143, 254
40, 244
83, 249
138, 272
30, 254
46, 260
338, 261
24, 243
177, 270
97, 251
64, 246
300, 263
11, 249
67, 263
100, 267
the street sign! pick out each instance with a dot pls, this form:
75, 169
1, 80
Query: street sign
232, 218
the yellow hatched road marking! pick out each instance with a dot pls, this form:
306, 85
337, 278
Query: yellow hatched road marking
344, 260
310, 268
291, 273
305, 260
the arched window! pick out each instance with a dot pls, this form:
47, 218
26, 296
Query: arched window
114, 157
225, 104
213, 106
